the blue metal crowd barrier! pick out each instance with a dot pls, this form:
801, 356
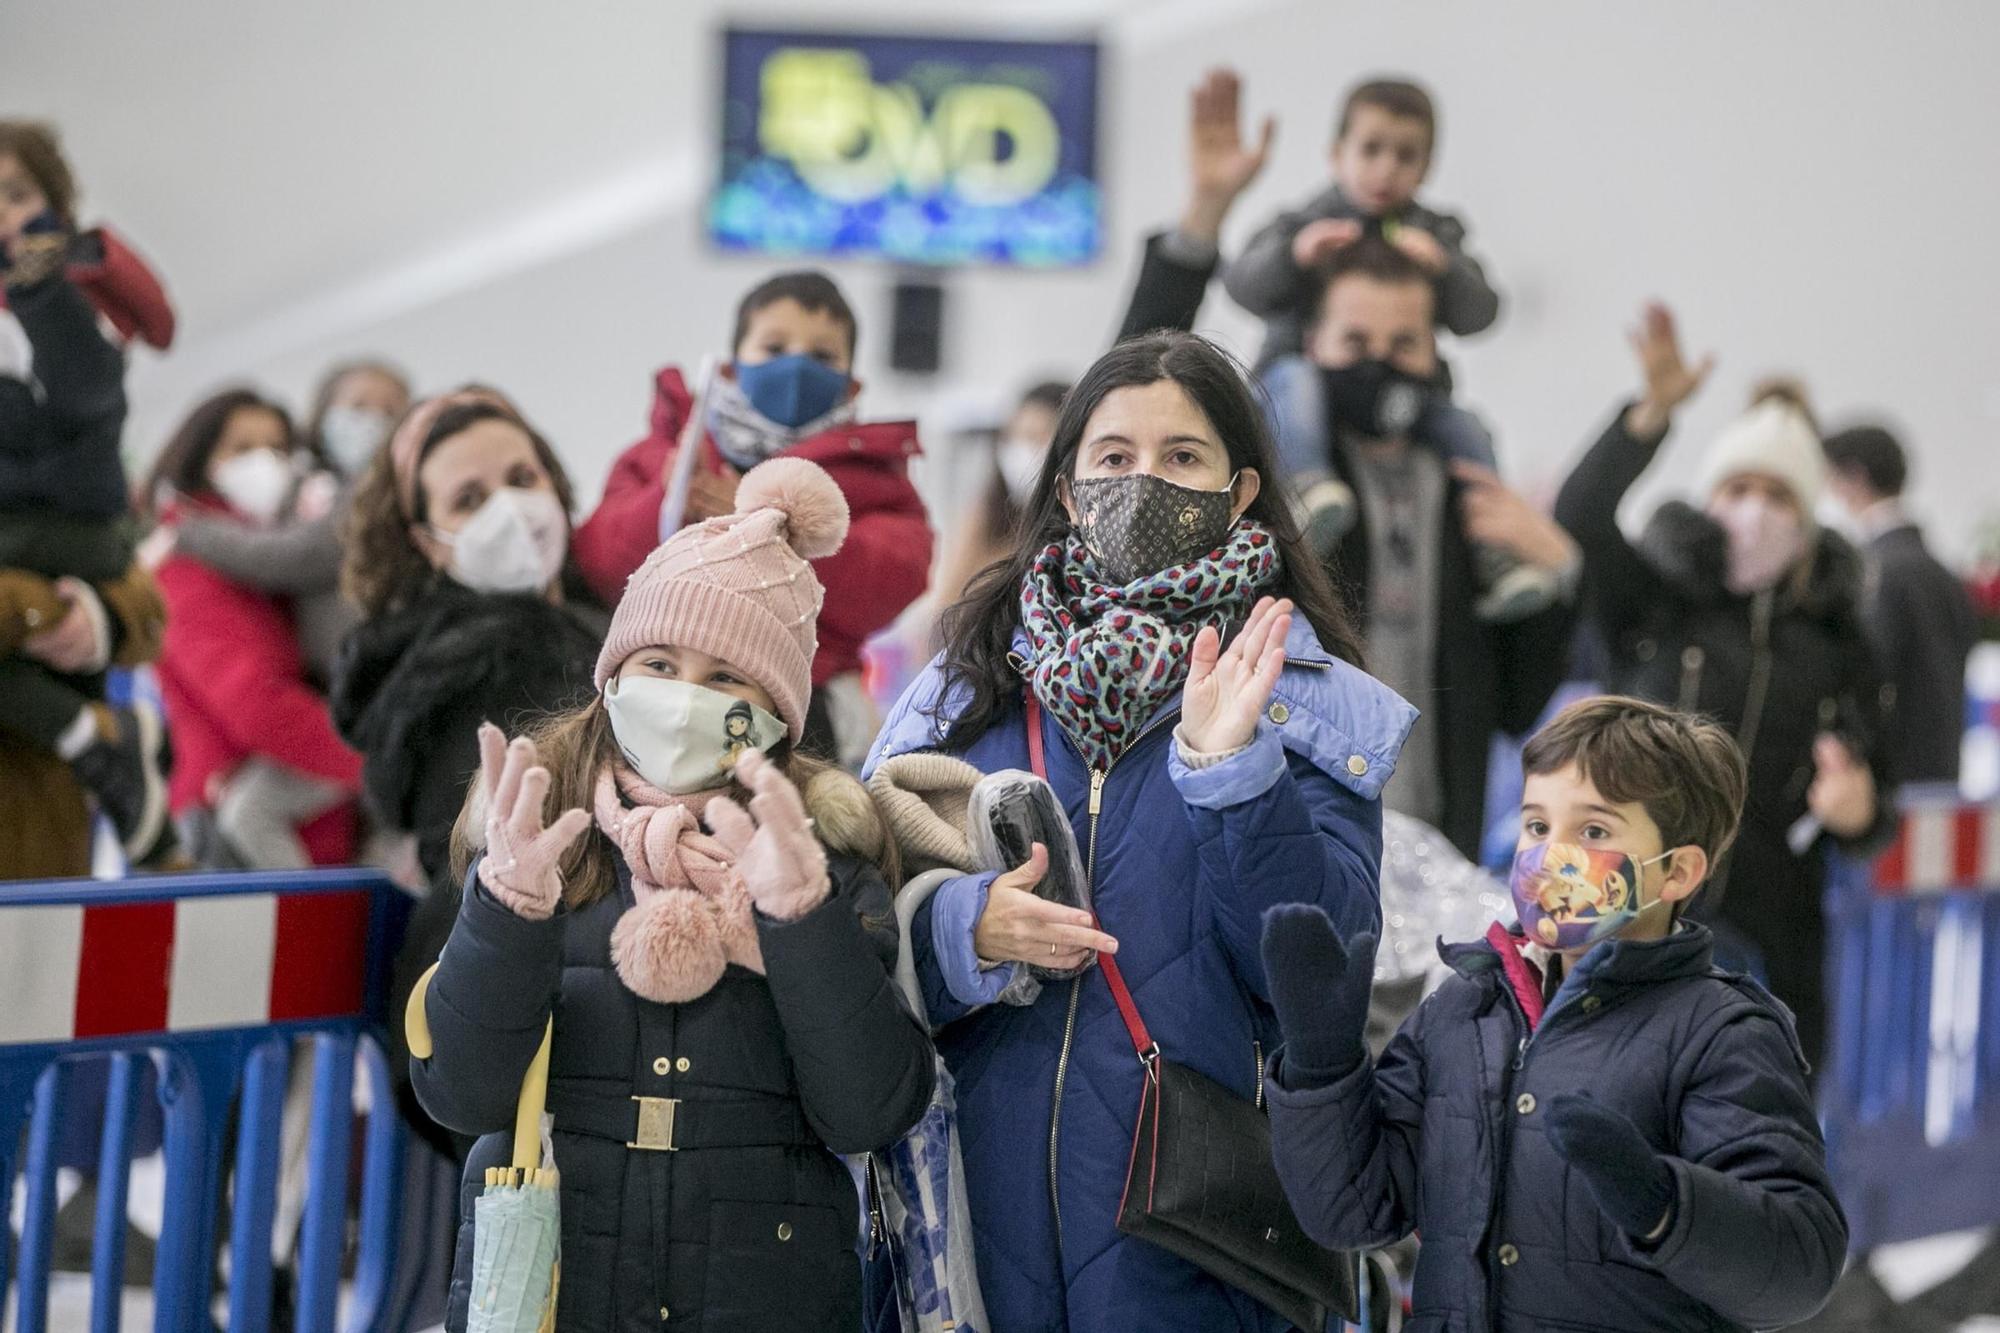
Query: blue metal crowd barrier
1911, 1097
213, 979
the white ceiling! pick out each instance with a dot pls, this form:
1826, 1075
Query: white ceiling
352, 152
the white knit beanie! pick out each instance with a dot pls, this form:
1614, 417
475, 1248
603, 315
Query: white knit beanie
1773, 439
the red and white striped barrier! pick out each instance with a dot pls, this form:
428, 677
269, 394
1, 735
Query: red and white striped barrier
74, 971
1940, 848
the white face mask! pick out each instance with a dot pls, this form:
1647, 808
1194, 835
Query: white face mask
1020, 463
352, 435
1765, 540
685, 738
255, 484
514, 543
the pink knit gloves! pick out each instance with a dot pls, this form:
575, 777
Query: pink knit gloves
777, 855
521, 867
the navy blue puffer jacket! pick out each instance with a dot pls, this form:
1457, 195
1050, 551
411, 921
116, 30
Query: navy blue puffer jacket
1446, 1136
752, 1221
1185, 863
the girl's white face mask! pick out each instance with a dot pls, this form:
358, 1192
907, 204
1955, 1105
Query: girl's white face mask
514, 543
685, 738
255, 484
1765, 540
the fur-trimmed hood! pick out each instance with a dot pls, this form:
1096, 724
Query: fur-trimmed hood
1690, 551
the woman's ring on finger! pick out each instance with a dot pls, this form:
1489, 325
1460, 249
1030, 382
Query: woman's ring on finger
1054, 949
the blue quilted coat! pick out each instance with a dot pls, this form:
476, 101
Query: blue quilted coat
1183, 863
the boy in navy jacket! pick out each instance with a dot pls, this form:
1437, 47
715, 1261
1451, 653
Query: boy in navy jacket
1591, 1125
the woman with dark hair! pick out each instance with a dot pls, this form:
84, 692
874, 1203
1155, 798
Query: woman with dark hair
457, 555
297, 555
1217, 750
986, 527
260, 778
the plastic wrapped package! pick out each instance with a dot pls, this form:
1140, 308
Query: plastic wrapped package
1011, 811
1429, 891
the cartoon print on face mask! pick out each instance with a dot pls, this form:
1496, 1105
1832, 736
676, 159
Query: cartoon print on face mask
736, 725
1575, 885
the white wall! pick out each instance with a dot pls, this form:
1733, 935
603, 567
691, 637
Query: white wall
1810, 182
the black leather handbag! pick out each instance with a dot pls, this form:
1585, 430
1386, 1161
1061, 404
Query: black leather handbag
1201, 1183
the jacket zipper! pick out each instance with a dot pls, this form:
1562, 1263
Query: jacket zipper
1097, 780
1760, 673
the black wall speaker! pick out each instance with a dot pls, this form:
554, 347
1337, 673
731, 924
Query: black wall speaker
916, 331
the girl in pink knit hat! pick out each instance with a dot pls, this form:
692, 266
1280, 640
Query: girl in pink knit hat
719, 976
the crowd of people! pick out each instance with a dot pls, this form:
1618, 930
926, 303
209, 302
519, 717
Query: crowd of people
1233, 617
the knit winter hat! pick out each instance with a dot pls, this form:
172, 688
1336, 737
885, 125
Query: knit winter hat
1775, 438
738, 587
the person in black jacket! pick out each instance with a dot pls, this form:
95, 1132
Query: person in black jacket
719, 980
1747, 612
443, 647
65, 515
1918, 613
1591, 1124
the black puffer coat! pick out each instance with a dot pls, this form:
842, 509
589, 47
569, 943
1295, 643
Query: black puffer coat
409, 693
1777, 670
752, 1223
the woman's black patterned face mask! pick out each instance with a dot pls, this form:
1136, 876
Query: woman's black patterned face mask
1138, 525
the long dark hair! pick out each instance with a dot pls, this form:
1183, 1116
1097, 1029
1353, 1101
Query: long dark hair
979, 629
182, 467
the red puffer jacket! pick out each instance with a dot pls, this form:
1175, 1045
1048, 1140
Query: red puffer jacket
234, 683
881, 569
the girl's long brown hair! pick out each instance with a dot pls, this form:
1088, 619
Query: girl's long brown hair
578, 745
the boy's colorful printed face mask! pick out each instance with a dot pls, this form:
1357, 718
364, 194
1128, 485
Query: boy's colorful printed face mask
1570, 897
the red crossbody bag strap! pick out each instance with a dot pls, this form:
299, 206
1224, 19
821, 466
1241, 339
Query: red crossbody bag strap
1135, 1026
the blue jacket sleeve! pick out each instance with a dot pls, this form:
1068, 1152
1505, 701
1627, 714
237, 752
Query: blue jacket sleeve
488, 1006
1347, 1152
1270, 827
1758, 1234
941, 936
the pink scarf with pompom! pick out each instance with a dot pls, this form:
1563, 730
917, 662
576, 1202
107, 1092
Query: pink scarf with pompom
693, 916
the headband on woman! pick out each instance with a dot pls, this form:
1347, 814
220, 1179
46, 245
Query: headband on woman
406, 446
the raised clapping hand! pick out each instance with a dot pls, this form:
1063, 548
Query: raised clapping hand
1226, 692
522, 865
779, 857
1018, 926
1221, 164
1669, 379
1632, 1183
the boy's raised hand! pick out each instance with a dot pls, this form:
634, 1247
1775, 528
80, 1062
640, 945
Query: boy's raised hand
1633, 1185
1320, 989
1319, 241
1669, 379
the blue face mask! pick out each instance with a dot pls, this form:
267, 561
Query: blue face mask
792, 390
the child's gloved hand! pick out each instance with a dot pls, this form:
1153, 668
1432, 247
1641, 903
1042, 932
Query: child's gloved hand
1320, 991
779, 857
522, 866
1632, 1183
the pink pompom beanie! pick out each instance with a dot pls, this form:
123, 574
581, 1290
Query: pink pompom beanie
739, 587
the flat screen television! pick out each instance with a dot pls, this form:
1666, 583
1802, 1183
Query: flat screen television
922, 150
